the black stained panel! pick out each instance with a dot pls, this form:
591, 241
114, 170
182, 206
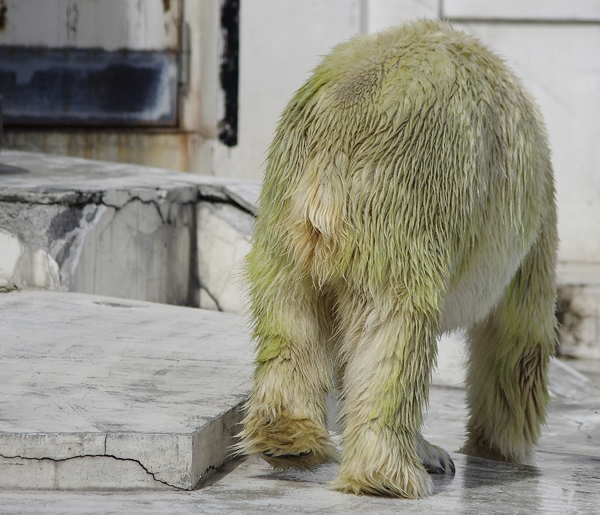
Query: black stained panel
88, 87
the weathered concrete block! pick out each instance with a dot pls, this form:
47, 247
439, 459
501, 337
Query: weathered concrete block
39, 474
121, 230
106, 393
95, 227
578, 310
135, 253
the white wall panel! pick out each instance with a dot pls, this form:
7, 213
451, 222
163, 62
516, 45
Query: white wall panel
523, 9
381, 14
109, 25
281, 41
559, 65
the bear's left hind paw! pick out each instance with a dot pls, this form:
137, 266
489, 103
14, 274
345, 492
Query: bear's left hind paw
286, 442
302, 460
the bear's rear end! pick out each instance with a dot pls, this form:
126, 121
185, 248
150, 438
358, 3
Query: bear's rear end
408, 192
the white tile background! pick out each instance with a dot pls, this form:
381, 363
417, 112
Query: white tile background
553, 45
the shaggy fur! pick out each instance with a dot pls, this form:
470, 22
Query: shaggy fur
408, 192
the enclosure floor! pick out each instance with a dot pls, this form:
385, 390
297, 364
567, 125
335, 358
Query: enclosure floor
105, 402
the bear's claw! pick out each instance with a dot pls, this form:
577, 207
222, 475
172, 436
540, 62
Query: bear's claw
435, 459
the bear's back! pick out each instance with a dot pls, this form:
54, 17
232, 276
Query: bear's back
400, 151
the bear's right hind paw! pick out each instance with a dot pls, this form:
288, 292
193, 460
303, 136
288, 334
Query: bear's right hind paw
410, 484
435, 459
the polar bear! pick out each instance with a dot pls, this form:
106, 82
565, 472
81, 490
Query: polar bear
408, 192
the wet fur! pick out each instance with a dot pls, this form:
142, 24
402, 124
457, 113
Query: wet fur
408, 192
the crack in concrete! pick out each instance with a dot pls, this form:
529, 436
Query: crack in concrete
79, 197
58, 460
164, 218
213, 298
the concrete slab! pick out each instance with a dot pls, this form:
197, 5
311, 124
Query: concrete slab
29, 172
114, 229
105, 393
564, 480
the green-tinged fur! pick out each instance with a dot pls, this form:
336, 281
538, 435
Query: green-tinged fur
408, 192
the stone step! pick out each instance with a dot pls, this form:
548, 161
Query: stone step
99, 392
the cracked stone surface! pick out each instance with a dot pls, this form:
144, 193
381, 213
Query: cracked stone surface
117, 229
563, 481
106, 393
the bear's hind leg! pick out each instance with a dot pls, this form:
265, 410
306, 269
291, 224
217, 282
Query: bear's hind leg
389, 354
286, 415
509, 356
